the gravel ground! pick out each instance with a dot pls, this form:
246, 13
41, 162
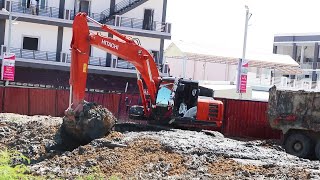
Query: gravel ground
165, 154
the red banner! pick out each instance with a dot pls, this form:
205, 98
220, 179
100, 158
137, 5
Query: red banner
242, 76
8, 67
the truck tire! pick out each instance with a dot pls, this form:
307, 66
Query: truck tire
298, 145
317, 150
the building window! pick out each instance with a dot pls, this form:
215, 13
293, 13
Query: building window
148, 19
30, 43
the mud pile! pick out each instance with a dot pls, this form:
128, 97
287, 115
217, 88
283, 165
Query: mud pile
92, 122
156, 154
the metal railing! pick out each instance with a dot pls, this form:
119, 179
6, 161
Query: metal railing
66, 58
124, 65
94, 61
31, 54
139, 24
95, 16
118, 7
310, 65
38, 10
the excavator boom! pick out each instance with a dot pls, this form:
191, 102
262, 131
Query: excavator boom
125, 48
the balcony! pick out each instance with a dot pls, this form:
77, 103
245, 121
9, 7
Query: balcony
120, 21
19, 7
94, 61
37, 55
117, 21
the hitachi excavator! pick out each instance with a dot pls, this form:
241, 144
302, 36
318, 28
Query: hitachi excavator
165, 100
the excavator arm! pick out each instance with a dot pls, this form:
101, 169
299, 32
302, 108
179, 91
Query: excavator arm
124, 48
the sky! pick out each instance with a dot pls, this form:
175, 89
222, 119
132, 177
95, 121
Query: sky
221, 22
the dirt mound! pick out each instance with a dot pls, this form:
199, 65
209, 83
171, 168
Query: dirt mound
156, 154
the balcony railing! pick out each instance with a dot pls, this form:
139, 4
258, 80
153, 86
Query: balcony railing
31, 54
130, 22
139, 24
94, 61
310, 65
39, 10
119, 21
66, 58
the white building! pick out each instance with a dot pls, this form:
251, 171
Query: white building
41, 34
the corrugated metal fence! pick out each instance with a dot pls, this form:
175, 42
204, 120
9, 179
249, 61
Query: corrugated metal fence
247, 119
241, 118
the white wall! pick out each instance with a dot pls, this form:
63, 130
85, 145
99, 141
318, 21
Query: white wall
47, 35
97, 6
69, 4
54, 3
138, 12
67, 36
147, 43
198, 70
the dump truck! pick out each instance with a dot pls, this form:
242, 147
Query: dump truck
297, 115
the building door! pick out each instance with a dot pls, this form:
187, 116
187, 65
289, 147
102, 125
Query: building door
84, 6
148, 19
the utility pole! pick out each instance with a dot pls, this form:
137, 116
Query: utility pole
243, 59
10, 24
9, 36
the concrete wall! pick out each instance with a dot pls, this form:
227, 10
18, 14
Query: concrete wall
67, 36
47, 35
198, 70
69, 4
147, 43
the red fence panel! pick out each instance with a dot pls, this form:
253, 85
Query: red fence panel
111, 101
1, 98
94, 97
247, 119
42, 102
62, 102
16, 100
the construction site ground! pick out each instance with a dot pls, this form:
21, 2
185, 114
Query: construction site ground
149, 153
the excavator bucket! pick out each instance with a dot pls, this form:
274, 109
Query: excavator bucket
92, 122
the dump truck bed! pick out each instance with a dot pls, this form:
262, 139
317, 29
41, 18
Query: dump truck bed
294, 110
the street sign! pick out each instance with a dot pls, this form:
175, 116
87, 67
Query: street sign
242, 74
8, 67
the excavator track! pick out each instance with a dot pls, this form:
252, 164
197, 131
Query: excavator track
92, 122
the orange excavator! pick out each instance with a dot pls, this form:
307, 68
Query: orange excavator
165, 100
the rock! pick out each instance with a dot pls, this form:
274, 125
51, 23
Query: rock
81, 150
90, 163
